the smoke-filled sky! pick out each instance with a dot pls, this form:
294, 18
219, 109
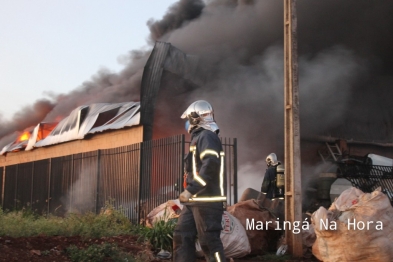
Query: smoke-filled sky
345, 66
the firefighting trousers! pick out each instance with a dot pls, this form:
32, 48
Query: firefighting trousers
204, 223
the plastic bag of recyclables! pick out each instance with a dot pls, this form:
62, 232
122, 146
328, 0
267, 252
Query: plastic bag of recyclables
233, 235
170, 209
357, 227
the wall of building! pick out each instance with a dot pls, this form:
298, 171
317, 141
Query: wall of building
105, 140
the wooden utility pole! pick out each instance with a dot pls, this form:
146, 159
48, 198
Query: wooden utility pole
293, 197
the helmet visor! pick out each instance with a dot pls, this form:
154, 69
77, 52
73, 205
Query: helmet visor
187, 126
184, 115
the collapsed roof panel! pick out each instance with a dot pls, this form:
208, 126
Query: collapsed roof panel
129, 117
91, 119
19, 143
164, 57
83, 120
41, 131
15, 146
106, 116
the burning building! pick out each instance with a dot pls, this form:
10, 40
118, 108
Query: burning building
105, 150
235, 55
83, 121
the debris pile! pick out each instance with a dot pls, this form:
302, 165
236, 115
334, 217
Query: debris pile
356, 227
260, 223
233, 235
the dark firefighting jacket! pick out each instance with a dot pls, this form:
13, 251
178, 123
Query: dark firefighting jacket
204, 166
269, 182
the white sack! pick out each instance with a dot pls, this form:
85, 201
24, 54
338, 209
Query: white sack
340, 233
233, 234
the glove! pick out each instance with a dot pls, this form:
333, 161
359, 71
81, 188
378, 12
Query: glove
185, 196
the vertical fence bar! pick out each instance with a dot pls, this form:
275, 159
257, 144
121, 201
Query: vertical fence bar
230, 164
40, 188
97, 195
235, 195
368, 177
16, 186
139, 177
71, 188
141, 159
32, 185
24, 185
229, 170
138, 206
2, 181
181, 160
49, 187
85, 182
10, 187
119, 179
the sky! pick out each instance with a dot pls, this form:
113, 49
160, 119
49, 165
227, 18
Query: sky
52, 47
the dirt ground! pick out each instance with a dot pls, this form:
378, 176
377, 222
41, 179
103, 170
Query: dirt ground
45, 249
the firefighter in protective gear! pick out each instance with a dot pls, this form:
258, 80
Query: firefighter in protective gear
269, 181
203, 195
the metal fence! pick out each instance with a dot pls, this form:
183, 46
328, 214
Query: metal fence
134, 178
1, 184
368, 177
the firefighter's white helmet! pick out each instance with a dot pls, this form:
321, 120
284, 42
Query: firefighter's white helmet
271, 160
200, 114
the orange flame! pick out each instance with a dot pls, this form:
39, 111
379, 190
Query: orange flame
24, 136
58, 118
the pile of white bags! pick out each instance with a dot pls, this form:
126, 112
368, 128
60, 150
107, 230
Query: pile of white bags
233, 237
233, 234
357, 227
253, 212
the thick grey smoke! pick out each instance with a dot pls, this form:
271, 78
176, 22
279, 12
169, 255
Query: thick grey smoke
345, 71
27, 117
177, 15
241, 49
105, 86
343, 61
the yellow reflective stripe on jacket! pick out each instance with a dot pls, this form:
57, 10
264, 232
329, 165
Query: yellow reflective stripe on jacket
208, 199
208, 152
202, 182
222, 154
217, 257
196, 176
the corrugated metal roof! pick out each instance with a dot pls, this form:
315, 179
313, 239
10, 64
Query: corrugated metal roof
86, 119
14, 146
92, 119
41, 131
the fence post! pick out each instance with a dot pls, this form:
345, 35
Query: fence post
32, 185
98, 180
235, 196
141, 171
183, 145
3, 187
49, 184
71, 192
16, 187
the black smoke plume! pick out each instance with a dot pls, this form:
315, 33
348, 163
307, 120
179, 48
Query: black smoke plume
345, 71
